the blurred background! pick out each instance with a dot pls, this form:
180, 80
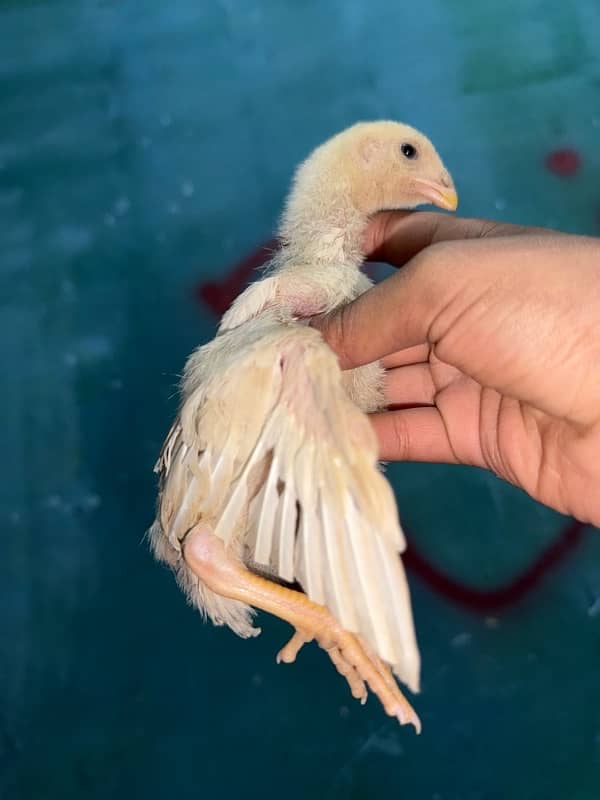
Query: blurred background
145, 149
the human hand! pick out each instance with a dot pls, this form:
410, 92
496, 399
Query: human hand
489, 336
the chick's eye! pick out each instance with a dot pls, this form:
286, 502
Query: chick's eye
408, 150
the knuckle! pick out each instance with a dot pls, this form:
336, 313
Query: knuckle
339, 332
401, 436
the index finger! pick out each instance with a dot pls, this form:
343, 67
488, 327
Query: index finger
395, 237
393, 315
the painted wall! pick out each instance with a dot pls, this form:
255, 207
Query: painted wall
144, 149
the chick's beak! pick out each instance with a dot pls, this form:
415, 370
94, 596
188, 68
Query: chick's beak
440, 193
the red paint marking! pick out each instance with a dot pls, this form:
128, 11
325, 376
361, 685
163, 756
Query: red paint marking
219, 295
502, 596
565, 162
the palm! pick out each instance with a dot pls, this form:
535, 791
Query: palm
545, 456
516, 307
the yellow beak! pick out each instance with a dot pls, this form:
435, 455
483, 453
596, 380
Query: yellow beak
437, 193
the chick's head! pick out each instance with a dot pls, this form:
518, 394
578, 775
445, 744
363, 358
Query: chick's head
391, 166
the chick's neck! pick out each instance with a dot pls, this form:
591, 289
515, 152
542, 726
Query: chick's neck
320, 229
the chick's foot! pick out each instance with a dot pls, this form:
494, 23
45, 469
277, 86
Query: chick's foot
208, 557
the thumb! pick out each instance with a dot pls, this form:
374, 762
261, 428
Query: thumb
393, 315
345, 332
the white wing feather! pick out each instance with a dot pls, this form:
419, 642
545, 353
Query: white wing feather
270, 450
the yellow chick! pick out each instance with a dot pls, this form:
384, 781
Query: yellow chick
269, 474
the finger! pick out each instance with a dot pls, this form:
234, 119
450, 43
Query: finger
396, 236
414, 434
424, 300
410, 355
395, 314
410, 385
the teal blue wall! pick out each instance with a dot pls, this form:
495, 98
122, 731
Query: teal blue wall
144, 147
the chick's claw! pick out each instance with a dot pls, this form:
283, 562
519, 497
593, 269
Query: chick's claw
360, 666
345, 668
288, 652
369, 669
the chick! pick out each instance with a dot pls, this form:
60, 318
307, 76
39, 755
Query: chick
269, 474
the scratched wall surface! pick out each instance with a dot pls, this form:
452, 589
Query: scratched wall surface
144, 150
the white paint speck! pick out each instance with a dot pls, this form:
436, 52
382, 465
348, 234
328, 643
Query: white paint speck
91, 501
87, 350
53, 501
173, 208
388, 744
461, 639
72, 239
109, 220
94, 348
594, 608
166, 120
344, 712
122, 206
500, 204
257, 679
12, 197
67, 288
532, 658
187, 188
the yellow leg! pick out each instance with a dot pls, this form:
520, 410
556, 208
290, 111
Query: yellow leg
207, 557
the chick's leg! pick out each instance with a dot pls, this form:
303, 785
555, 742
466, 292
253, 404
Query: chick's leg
224, 574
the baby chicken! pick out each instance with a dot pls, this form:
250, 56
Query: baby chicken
269, 474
